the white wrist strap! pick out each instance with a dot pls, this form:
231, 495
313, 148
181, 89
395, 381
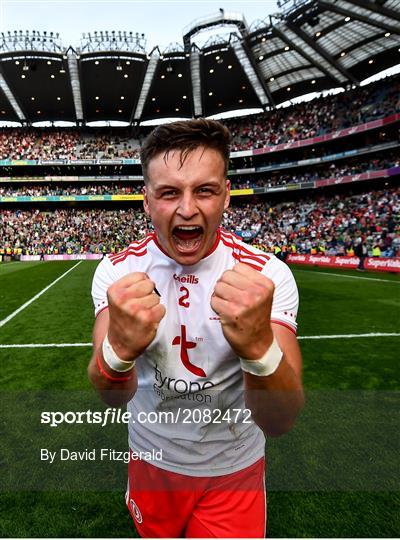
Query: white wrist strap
267, 364
113, 360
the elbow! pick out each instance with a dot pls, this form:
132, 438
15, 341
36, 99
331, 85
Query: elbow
280, 424
276, 431
116, 398
274, 427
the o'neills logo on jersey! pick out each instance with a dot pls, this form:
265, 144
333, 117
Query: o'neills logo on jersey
187, 278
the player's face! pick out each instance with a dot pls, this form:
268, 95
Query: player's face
186, 203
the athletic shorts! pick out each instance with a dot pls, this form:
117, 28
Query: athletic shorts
165, 504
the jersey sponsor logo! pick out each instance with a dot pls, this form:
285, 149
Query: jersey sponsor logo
187, 278
137, 514
182, 388
185, 346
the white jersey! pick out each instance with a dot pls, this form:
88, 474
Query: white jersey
189, 366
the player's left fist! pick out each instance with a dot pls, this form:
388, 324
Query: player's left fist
243, 298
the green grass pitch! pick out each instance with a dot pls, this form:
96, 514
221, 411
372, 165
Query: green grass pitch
335, 475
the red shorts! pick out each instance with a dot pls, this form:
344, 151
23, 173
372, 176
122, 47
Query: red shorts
165, 504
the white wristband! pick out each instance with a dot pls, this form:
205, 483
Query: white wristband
113, 360
267, 364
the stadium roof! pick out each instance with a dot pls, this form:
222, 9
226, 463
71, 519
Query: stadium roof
309, 46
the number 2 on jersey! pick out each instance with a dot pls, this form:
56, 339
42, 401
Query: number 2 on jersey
183, 299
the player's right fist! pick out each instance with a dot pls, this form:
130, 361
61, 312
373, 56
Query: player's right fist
135, 313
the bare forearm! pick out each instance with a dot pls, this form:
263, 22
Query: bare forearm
114, 393
276, 400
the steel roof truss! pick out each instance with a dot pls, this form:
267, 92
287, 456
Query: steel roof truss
376, 8
11, 98
322, 52
359, 16
76, 85
148, 78
250, 72
306, 56
196, 82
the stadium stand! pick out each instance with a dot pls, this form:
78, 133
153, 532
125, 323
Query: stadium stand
324, 223
320, 116
68, 144
314, 180
353, 166
301, 121
70, 189
54, 181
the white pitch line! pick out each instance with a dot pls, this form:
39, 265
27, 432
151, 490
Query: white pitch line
29, 302
347, 336
58, 345
6, 265
351, 277
42, 345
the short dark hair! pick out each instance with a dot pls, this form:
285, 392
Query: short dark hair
186, 136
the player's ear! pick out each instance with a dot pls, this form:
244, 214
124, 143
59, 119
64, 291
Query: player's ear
145, 200
228, 194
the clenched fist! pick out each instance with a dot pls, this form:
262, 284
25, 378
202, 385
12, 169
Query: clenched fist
243, 298
135, 313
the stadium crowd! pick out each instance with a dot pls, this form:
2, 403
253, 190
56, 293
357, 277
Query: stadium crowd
273, 178
323, 224
317, 117
309, 174
65, 189
332, 225
299, 121
70, 144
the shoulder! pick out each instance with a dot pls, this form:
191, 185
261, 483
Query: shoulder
116, 265
286, 296
134, 250
244, 253
280, 273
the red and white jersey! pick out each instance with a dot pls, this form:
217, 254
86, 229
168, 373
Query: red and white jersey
189, 366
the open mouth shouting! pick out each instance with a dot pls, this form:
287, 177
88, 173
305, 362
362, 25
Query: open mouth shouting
187, 239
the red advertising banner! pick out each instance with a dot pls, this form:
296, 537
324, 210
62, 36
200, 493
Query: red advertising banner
381, 173
379, 264
383, 265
